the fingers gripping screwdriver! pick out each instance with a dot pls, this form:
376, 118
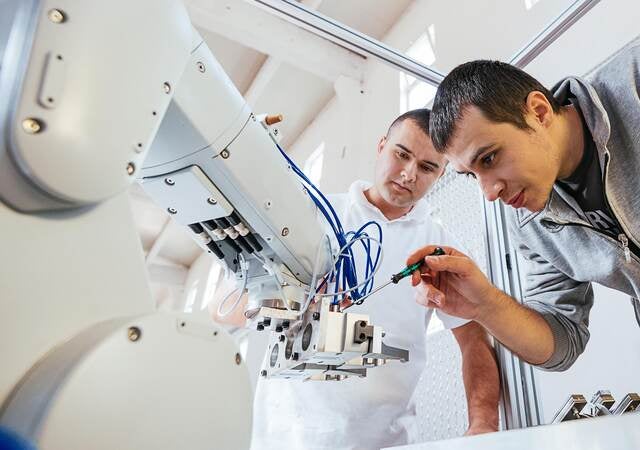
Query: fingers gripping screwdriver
402, 274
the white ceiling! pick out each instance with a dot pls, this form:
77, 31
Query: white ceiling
279, 68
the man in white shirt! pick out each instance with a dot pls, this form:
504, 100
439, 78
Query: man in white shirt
375, 411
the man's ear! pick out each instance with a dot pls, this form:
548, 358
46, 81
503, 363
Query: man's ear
540, 108
383, 140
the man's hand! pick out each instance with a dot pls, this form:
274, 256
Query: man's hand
452, 283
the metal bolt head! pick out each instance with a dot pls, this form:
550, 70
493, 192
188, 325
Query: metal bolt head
285, 231
31, 126
134, 334
201, 67
263, 373
316, 316
166, 87
238, 358
169, 181
56, 16
131, 168
224, 153
268, 204
295, 356
281, 338
172, 210
212, 201
260, 327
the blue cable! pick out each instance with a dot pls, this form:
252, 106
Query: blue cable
344, 274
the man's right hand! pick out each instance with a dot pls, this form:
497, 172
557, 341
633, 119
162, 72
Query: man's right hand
452, 283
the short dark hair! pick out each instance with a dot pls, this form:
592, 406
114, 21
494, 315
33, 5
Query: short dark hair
499, 90
420, 117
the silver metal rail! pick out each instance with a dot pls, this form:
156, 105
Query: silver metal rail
552, 32
349, 38
367, 46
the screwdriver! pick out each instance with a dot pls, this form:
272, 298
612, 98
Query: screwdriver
402, 274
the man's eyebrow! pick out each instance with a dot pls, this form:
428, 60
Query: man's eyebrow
476, 155
426, 161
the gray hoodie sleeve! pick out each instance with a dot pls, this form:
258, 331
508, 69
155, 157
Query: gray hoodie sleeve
563, 302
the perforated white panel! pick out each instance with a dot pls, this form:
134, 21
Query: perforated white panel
440, 399
456, 201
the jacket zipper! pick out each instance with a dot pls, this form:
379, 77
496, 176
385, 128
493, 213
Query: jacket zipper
623, 238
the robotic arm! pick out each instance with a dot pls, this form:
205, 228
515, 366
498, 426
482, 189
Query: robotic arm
217, 169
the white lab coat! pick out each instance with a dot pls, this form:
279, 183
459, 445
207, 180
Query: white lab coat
371, 412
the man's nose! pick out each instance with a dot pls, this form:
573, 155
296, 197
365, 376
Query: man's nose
491, 188
409, 172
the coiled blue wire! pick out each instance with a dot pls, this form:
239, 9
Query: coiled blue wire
344, 274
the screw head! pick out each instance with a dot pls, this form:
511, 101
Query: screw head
316, 316
281, 338
131, 168
260, 327
295, 356
263, 373
134, 334
238, 358
56, 16
267, 321
285, 231
172, 210
224, 153
169, 181
267, 204
212, 201
166, 87
31, 126
201, 67
279, 329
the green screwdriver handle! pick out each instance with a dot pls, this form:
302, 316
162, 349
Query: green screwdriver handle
413, 267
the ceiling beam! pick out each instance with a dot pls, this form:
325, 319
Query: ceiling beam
269, 68
253, 27
159, 242
262, 79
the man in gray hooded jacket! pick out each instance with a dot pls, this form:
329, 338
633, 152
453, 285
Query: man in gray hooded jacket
568, 165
